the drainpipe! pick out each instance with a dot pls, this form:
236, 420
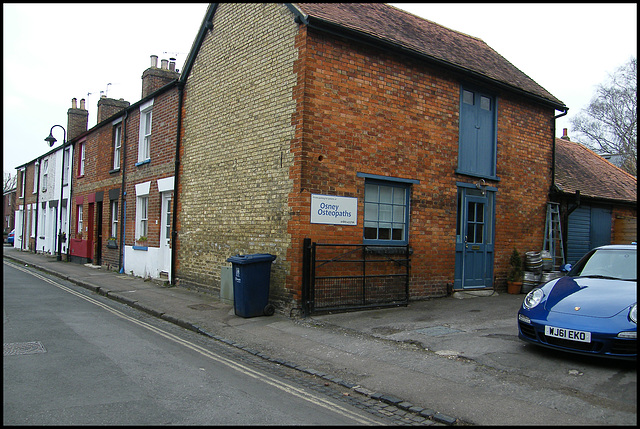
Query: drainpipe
69, 199
176, 174
35, 245
123, 213
24, 208
553, 178
553, 152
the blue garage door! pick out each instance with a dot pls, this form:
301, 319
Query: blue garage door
588, 227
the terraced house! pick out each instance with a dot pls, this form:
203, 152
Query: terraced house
123, 180
378, 155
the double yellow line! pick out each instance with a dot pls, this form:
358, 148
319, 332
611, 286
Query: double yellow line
285, 387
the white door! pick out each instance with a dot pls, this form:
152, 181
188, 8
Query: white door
165, 232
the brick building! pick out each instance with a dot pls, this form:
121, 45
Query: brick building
432, 141
123, 180
598, 200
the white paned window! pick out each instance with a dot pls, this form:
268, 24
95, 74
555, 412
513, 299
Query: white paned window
45, 174
67, 165
114, 218
79, 217
117, 145
144, 142
33, 220
21, 181
36, 171
81, 165
142, 211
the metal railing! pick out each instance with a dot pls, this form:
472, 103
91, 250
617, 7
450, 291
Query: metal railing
343, 277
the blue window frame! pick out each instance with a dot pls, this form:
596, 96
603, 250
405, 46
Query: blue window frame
386, 212
477, 134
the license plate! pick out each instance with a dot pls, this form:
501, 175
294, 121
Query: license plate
568, 334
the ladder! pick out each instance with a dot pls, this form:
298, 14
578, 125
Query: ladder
553, 235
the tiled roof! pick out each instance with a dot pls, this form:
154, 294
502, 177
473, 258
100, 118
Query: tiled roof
387, 23
579, 168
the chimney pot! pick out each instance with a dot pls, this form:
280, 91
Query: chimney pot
172, 65
164, 64
82, 104
74, 102
154, 61
565, 136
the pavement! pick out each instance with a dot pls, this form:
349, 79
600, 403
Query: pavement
403, 358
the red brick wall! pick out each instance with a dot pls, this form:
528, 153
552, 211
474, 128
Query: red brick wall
373, 112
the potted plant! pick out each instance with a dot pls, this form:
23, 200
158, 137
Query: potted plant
514, 277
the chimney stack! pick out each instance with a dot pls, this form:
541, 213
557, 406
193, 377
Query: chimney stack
155, 78
77, 119
107, 107
565, 136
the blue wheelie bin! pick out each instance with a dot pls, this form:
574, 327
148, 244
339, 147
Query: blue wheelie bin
251, 281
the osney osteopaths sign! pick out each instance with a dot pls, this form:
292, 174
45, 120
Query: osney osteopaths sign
334, 210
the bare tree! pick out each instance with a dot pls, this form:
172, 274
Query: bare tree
609, 123
8, 182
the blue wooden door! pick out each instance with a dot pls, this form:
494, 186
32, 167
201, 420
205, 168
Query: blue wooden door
474, 246
588, 227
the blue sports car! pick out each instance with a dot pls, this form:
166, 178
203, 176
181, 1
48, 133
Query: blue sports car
592, 310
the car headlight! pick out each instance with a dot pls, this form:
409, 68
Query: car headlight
633, 313
533, 298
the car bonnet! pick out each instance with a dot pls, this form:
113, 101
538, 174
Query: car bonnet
589, 297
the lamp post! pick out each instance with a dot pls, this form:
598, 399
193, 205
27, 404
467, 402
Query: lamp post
51, 140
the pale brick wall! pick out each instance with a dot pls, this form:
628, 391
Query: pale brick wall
235, 157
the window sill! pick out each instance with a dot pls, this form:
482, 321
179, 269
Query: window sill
399, 249
144, 248
115, 170
478, 176
146, 161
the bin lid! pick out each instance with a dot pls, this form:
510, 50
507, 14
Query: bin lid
251, 259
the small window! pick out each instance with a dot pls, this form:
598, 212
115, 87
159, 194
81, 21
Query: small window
79, 217
117, 145
168, 219
67, 165
386, 213
467, 97
485, 103
22, 182
144, 142
45, 174
81, 163
36, 171
143, 216
114, 218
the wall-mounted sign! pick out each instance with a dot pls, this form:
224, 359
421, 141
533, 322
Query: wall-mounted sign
333, 210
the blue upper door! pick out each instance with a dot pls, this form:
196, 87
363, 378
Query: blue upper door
477, 135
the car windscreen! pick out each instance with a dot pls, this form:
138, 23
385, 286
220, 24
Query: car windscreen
608, 263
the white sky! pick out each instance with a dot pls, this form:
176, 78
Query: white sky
55, 52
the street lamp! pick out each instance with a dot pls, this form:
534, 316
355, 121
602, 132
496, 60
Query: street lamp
51, 140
